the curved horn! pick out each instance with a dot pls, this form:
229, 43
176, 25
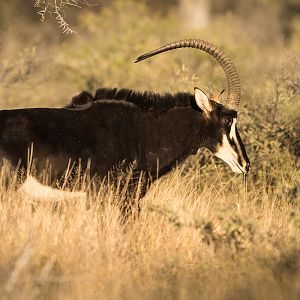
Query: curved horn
232, 76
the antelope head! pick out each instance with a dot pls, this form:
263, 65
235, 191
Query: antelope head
221, 134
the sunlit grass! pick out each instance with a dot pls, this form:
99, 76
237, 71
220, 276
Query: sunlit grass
197, 235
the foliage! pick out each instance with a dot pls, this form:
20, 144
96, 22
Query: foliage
197, 227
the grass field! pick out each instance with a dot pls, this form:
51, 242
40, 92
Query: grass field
198, 235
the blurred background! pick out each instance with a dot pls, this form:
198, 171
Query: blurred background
42, 66
261, 37
197, 226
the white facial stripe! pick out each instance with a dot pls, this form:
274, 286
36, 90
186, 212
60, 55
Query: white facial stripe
227, 153
231, 153
232, 133
234, 138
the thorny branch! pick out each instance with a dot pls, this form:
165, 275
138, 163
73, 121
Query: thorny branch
57, 10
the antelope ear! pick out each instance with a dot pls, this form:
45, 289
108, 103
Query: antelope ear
218, 97
202, 100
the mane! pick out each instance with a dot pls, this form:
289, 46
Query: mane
143, 100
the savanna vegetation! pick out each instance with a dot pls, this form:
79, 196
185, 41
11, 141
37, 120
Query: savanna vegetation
199, 236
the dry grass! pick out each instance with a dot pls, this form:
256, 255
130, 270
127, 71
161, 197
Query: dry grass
197, 235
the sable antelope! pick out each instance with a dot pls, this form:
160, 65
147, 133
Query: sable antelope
123, 126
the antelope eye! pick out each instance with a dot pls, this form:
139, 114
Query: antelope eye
228, 121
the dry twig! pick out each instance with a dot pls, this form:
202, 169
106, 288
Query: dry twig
57, 10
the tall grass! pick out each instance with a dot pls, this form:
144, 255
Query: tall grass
197, 236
